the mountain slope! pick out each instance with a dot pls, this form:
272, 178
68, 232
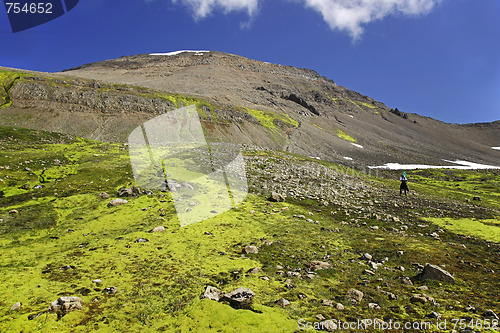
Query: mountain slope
245, 101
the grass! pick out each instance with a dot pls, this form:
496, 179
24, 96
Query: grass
488, 229
341, 134
67, 224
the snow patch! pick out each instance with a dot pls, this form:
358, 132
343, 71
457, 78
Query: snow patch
348, 158
461, 165
496, 148
356, 145
178, 52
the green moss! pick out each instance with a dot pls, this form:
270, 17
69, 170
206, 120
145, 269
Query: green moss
485, 229
368, 105
341, 134
318, 127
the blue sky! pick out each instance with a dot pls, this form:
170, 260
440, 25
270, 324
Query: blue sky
437, 58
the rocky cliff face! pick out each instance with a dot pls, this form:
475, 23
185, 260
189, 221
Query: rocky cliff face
243, 101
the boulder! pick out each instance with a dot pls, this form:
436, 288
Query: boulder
212, 293
125, 192
282, 302
433, 272
277, 197
250, 249
354, 295
240, 298
16, 307
159, 229
315, 265
117, 202
65, 304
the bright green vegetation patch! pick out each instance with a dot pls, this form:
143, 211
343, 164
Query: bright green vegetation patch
341, 134
485, 229
463, 185
7, 80
368, 105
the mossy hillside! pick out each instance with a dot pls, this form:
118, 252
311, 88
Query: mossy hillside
159, 282
7, 80
487, 229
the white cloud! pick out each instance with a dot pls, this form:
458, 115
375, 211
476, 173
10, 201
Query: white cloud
351, 15
345, 15
203, 8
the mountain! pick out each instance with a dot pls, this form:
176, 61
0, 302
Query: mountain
247, 102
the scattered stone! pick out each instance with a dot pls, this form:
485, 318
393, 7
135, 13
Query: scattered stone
141, 240
65, 304
470, 308
282, 302
421, 298
433, 272
240, 298
250, 249
339, 306
110, 290
13, 212
476, 198
374, 306
104, 195
97, 281
316, 265
423, 288
135, 190
16, 307
38, 187
207, 233
328, 325
117, 202
405, 280
368, 272
125, 192
212, 293
159, 229
26, 187
354, 295
265, 278
277, 197
254, 270
320, 317
366, 256
434, 314
326, 302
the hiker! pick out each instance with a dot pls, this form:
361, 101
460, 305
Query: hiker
404, 184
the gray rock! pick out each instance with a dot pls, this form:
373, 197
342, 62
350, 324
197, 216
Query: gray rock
282, 302
141, 240
16, 307
250, 249
433, 272
326, 302
366, 256
104, 195
240, 298
316, 265
117, 202
339, 306
354, 295
125, 192
434, 314
328, 325
277, 197
159, 229
97, 281
212, 293
65, 304
374, 306
110, 290
421, 298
